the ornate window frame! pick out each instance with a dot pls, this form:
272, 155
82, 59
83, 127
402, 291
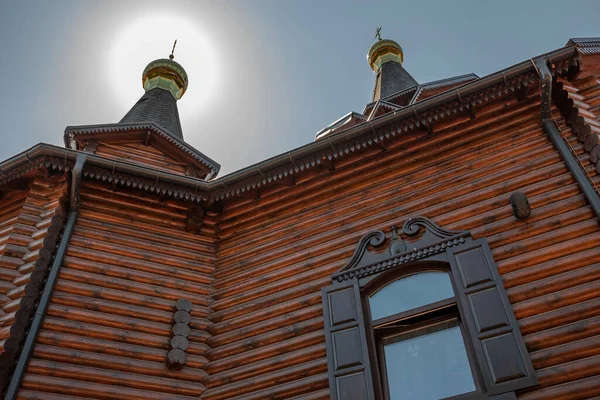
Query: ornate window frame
501, 362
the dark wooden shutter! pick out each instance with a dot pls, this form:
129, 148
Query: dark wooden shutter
347, 353
484, 305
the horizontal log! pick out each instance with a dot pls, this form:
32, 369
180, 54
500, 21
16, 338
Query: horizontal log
282, 376
269, 300
576, 312
175, 238
563, 334
571, 371
103, 332
101, 282
92, 291
116, 378
318, 395
111, 307
291, 336
269, 325
265, 313
109, 320
551, 267
554, 283
35, 395
575, 245
70, 387
577, 390
552, 301
565, 353
138, 264
153, 252
113, 348
273, 363
287, 390
115, 363
561, 233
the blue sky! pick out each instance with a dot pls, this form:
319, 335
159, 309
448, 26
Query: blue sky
286, 69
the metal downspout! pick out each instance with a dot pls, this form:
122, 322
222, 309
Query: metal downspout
551, 129
36, 323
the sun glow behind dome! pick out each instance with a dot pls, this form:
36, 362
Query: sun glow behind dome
151, 37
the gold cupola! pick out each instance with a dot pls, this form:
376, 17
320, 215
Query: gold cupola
165, 74
382, 51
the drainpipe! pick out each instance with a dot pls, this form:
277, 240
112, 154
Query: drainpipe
551, 129
15, 382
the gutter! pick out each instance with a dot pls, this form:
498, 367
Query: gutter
300, 152
36, 324
551, 129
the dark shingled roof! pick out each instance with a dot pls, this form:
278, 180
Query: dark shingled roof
158, 106
392, 78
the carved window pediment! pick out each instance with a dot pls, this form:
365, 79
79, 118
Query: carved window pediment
419, 239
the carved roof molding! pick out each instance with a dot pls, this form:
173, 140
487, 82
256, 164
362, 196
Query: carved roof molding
145, 184
34, 165
433, 240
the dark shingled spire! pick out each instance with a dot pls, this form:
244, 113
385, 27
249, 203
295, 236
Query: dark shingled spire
164, 81
385, 58
392, 78
159, 106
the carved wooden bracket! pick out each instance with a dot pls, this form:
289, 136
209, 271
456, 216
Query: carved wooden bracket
433, 240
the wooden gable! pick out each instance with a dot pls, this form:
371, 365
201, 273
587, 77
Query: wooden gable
143, 148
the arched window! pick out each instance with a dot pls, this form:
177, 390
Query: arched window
420, 343
424, 319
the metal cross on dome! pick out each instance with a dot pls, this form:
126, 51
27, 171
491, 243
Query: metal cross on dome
378, 33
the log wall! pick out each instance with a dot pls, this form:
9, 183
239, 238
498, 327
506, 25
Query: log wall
276, 253
144, 155
107, 330
30, 224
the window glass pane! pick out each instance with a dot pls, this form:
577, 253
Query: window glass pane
428, 367
410, 292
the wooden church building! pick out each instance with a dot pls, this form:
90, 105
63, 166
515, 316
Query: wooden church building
443, 243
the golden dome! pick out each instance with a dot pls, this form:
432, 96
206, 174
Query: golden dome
383, 51
165, 74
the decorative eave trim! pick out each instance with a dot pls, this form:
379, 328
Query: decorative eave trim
34, 165
375, 137
145, 184
72, 131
